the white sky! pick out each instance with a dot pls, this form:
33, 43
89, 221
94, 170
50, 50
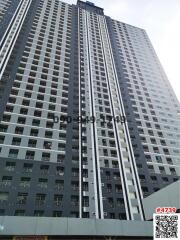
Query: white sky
161, 20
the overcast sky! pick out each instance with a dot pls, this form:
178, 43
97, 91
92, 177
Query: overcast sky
161, 20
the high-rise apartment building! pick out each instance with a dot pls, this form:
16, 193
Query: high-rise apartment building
89, 123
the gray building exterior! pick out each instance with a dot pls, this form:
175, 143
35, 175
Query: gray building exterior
89, 123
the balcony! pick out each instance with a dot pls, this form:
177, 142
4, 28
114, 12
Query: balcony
6, 183
57, 202
59, 186
24, 184
40, 202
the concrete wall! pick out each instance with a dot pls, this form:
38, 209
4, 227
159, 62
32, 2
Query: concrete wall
73, 227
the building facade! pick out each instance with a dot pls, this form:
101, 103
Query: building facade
89, 123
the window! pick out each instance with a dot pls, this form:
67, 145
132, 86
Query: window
154, 179
19, 212
40, 199
13, 153
162, 170
27, 167
21, 120
109, 188
42, 183
156, 189
44, 169
104, 142
169, 160
120, 202
114, 164
57, 213
150, 132
151, 168
139, 166
163, 142
122, 216
4, 196
75, 200
2, 139
112, 215
60, 171
85, 201
74, 214
85, 214
59, 184
160, 134
153, 140
146, 149
142, 178
116, 175
6, 118
36, 122
173, 171
108, 175
158, 159
23, 111
111, 202
145, 190
175, 179
58, 199
47, 145
75, 185
32, 143
85, 186
105, 152
148, 158
25, 182
6, 180
75, 172
48, 134
45, 156
10, 166
38, 213
106, 163
166, 151
2, 212
165, 179
61, 147
34, 132
22, 198
30, 155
